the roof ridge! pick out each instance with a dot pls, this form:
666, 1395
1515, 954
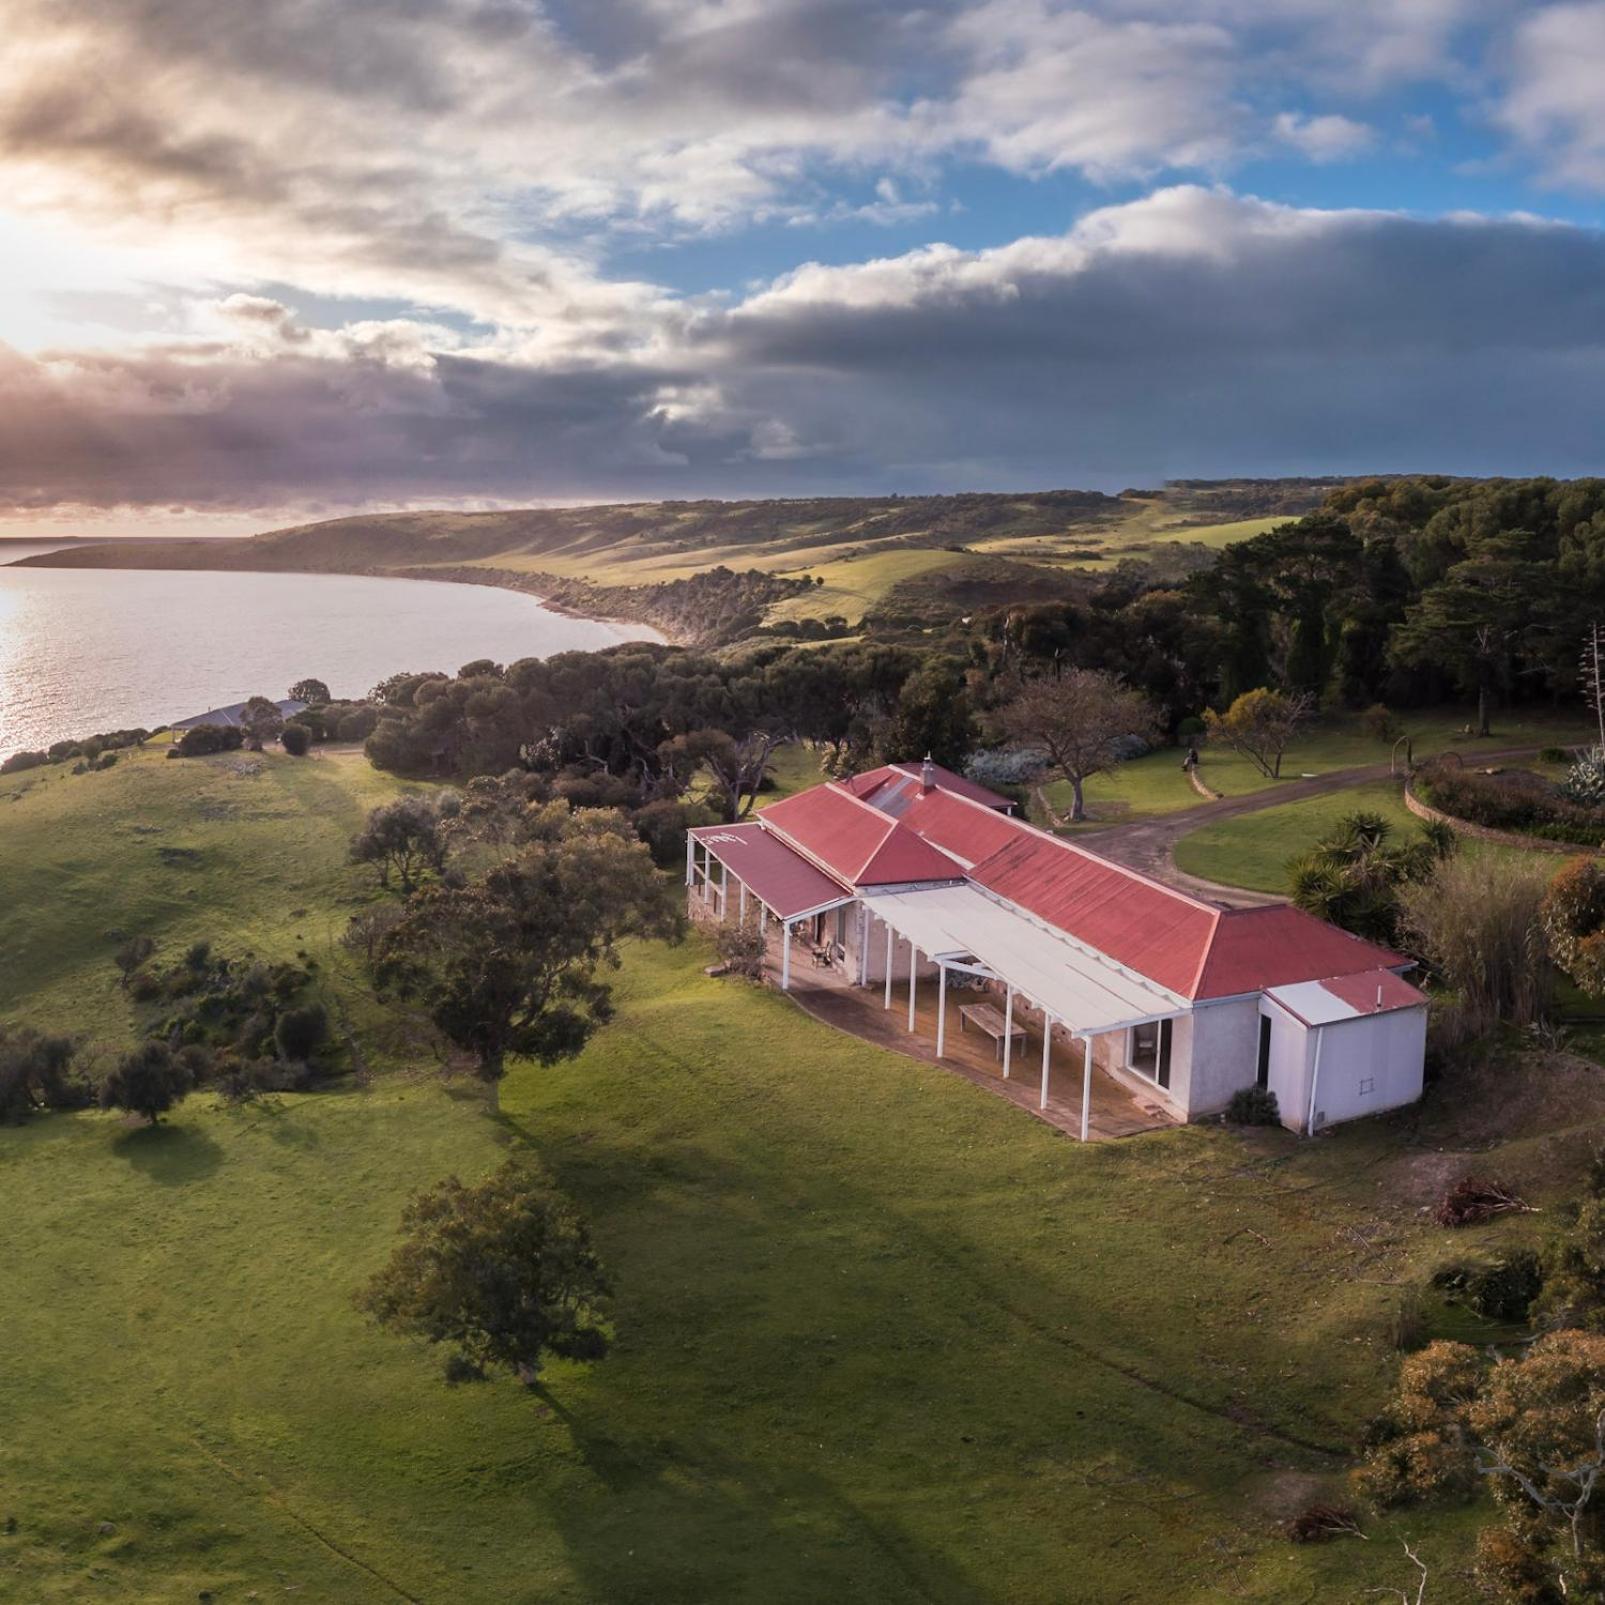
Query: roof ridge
1086, 852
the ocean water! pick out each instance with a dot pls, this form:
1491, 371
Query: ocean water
83, 650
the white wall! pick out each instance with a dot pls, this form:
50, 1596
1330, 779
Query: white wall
1222, 1041
1370, 1064
1292, 1048
875, 951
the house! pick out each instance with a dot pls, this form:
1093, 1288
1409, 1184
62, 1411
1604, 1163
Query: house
230, 715
911, 873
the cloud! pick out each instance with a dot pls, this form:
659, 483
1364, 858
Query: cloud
1181, 333
1552, 103
1329, 138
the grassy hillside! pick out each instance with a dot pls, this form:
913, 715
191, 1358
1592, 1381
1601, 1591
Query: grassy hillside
868, 552
880, 1335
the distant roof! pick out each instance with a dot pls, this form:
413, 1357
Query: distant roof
1347, 997
231, 714
855, 842
889, 788
778, 877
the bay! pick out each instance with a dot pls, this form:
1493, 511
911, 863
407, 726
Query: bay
84, 650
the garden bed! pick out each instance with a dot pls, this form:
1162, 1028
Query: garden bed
1513, 807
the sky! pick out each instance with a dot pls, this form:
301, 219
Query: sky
267, 262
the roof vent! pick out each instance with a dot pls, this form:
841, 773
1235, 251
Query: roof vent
927, 775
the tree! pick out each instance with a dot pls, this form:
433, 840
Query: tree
931, 715
33, 1073
261, 721
1261, 725
1469, 624
737, 768
1574, 922
148, 1082
313, 692
131, 956
503, 1271
508, 964
295, 739
1083, 723
402, 838
1352, 876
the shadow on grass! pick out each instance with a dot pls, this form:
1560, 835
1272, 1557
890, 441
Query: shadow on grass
171, 1155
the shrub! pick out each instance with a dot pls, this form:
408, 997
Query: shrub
1585, 780
1379, 724
1253, 1106
1574, 922
1500, 1290
1516, 800
295, 739
1477, 923
741, 948
299, 1033
1554, 755
18, 761
1510, 1569
202, 739
358, 724
35, 1074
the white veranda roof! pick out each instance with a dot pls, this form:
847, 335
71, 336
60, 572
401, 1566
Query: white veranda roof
1077, 985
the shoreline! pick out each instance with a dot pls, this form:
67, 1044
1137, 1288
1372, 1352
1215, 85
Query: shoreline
545, 589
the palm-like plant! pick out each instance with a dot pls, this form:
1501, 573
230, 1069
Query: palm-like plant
1352, 876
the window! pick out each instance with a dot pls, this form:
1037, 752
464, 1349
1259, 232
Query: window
1367, 1084
1149, 1051
1262, 1074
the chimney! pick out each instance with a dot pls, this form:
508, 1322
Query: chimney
927, 775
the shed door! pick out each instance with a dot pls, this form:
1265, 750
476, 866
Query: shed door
1262, 1074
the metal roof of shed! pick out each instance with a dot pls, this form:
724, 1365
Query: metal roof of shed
1074, 983
1346, 997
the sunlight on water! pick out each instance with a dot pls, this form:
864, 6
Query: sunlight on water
83, 650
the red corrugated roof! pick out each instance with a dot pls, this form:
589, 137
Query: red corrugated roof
1361, 991
776, 875
861, 845
965, 829
1254, 948
1135, 921
1194, 948
873, 780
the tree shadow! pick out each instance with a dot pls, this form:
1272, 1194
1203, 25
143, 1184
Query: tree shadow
172, 1155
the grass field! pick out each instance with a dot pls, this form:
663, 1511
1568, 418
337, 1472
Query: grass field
1155, 784
881, 1337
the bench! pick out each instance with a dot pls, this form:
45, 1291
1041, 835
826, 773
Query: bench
986, 1018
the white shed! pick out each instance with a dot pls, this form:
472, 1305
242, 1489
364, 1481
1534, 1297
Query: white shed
1339, 1049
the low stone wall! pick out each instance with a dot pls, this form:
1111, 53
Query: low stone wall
1481, 833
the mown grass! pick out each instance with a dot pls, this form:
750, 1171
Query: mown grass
880, 1335
1253, 850
1155, 783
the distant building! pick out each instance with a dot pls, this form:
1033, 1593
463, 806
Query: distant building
231, 714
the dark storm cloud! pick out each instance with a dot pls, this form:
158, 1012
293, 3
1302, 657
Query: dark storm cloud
1173, 335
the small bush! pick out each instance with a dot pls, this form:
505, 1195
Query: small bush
19, 761
741, 948
1499, 1290
295, 739
203, 739
1253, 1106
1554, 755
299, 1033
1379, 724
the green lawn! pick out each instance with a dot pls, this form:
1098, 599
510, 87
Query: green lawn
881, 1336
1154, 784
1252, 850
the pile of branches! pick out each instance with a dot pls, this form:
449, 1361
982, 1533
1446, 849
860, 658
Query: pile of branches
1476, 1198
1320, 1523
